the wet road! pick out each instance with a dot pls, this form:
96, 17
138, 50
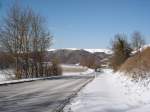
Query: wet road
47, 95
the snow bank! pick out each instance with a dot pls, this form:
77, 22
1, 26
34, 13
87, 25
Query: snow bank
98, 96
111, 92
19, 81
136, 91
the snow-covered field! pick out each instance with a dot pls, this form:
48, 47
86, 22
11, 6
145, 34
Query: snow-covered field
72, 66
88, 71
111, 92
75, 70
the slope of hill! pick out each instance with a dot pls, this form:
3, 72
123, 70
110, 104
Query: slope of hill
138, 65
74, 56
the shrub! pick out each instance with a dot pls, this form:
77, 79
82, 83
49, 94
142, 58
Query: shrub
121, 51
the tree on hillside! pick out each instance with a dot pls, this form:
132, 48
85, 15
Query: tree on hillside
137, 41
121, 51
24, 35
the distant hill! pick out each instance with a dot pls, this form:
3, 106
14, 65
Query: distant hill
74, 56
106, 51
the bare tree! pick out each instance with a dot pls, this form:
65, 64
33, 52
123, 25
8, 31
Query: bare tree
137, 41
6, 60
25, 36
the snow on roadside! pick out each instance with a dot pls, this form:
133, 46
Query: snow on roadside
111, 92
6, 74
137, 92
20, 80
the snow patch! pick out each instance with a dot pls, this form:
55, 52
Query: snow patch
141, 49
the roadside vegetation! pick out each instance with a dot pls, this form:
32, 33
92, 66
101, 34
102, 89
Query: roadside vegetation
25, 40
138, 66
121, 51
131, 58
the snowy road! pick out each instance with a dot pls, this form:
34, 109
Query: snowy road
105, 94
40, 96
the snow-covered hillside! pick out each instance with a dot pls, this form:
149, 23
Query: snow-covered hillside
107, 51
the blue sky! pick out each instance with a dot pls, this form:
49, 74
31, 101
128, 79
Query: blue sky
89, 23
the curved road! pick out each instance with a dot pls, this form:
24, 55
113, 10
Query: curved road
48, 95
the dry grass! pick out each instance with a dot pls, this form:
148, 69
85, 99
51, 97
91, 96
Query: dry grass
138, 65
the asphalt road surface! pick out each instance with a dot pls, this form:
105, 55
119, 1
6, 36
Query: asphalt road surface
40, 96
